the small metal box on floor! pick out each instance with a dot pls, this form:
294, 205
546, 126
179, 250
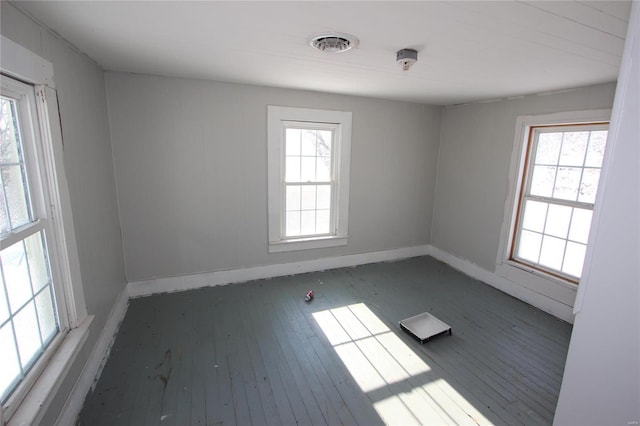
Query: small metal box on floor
424, 327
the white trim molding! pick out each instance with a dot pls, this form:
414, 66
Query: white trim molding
516, 289
223, 277
25, 65
93, 367
339, 123
41, 394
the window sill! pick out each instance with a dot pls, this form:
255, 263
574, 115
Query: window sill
39, 397
307, 243
547, 285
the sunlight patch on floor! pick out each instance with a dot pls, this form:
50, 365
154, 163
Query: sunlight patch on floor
400, 385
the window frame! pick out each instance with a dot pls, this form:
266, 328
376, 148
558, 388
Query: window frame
532, 275
280, 118
38, 202
51, 204
525, 192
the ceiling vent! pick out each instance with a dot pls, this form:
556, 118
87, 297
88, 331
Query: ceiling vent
334, 42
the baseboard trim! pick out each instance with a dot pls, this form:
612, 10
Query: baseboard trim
540, 301
190, 282
94, 365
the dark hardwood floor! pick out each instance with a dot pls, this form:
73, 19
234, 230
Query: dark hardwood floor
257, 354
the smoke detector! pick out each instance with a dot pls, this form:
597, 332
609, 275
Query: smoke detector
406, 58
333, 42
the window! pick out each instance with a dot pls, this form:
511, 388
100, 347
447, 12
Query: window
43, 317
308, 162
28, 313
559, 185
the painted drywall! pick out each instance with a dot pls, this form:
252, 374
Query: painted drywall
89, 170
191, 168
476, 145
601, 382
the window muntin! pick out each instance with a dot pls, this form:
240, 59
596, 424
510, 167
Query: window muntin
28, 312
309, 182
560, 183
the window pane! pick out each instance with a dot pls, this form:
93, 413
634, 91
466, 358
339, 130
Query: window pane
595, 152
580, 225
27, 334
574, 259
567, 183
574, 146
308, 222
309, 143
308, 197
293, 142
16, 275
548, 148
308, 169
9, 136
37, 262
589, 185
535, 214
293, 198
46, 315
552, 252
322, 222
529, 247
10, 370
324, 143
558, 221
15, 191
323, 167
293, 224
324, 197
292, 169
542, 181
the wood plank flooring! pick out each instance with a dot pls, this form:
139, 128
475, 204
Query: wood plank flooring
256, 354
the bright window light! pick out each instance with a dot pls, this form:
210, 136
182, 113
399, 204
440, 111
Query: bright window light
560, 183
401, 386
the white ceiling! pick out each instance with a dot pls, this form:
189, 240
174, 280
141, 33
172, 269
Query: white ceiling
468, 51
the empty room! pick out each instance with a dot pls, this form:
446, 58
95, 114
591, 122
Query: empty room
320, 212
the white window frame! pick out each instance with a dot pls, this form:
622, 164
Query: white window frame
29, 401
518, 271
278, 119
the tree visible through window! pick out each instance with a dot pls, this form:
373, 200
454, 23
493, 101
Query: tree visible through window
308, 180
559, 189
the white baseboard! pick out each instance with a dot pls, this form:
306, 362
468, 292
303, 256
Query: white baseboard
94, 365
540, 301
189, 282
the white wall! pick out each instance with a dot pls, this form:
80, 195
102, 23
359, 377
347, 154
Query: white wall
601, 382
89, 170
476, 145
191, 157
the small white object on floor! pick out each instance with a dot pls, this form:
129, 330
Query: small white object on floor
424, 327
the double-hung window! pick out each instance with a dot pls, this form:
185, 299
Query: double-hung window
43, 318
559, 185
308, 177
28, 311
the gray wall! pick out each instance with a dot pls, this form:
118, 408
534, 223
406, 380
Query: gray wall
191, 167
89, 169
601, 382
476, 143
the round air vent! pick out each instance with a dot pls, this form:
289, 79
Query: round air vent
334, 42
